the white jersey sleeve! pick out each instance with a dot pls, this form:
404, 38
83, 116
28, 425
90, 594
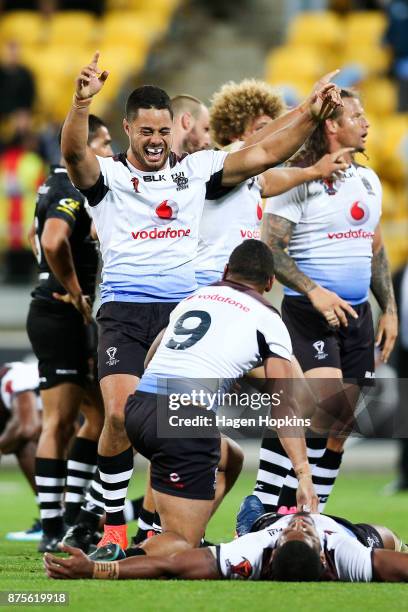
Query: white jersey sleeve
352, 559
20, 377
275, 336
288, 205
208, 163
242, 558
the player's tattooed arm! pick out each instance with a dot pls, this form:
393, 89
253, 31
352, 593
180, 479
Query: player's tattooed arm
382, 288
277, 232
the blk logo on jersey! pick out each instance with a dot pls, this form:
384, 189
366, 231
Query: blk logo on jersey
165, 212
358, 213
319, 346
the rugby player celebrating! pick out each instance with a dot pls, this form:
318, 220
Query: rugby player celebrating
146, 205
335, 255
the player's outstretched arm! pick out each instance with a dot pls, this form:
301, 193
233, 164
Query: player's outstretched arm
389, 566
279, 146
82, 164
287, 118
292, 436
279, 180
197, 564
382, 288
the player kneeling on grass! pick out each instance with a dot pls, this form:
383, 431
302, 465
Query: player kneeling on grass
301, 547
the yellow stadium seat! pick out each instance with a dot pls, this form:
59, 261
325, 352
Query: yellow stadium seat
127, 28
394, 148
374, 59
379, 96
24, 26
72, 26
286, 64
389, 200
322, 29
364, 28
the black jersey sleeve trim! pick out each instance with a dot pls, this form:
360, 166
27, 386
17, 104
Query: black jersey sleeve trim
97, 192
264, 349
214, 188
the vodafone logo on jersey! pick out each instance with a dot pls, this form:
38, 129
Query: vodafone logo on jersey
358, 213
259, 211
165, 212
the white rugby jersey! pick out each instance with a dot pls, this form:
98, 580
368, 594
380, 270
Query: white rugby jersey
242, 558
219, 333
225, 223
17, 377
335, 225
147, 225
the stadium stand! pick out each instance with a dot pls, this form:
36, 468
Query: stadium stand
322, 41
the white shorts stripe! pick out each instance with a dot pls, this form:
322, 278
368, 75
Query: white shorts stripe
113, 478
119, 494
324, 472
44, 481
73, 481
52, 513
50, 497
81, 467
275, 458
73, 498
273, 479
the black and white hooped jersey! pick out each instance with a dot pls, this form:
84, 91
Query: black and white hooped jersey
147, 224
17, 377
243, 558
335, 226
219, 333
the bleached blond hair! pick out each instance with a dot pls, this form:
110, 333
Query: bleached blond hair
235, 105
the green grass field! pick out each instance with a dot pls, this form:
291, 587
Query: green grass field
357, 498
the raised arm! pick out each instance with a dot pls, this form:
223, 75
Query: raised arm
81, 161
278, 180
279, 146
287, 118
381, 286
197, 564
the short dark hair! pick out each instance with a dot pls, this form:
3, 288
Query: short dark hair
94, 123
252, 260
296, 561
147, 96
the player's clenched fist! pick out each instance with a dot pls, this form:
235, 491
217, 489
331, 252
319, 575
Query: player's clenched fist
91, 80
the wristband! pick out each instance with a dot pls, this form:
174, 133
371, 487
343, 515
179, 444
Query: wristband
106, 571
81, 102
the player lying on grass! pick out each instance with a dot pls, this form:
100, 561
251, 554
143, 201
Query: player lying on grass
298, 547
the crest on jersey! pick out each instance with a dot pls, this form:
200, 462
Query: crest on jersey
180, 180
251, 183
165, 212
243, 569
358, 213
329, 187
135, 183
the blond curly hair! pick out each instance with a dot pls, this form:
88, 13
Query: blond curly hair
236, 104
